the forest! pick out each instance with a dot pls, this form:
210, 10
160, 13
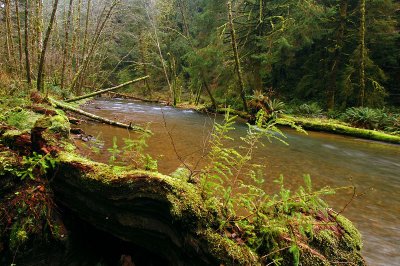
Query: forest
81, 137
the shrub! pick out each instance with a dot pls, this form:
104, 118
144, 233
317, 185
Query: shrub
309, 110
365, 117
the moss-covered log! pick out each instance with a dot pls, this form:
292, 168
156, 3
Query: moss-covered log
160, 213
335, 128
96, 117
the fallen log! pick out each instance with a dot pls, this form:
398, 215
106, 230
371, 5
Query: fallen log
105, 90
126, 96
95, 117
159, 213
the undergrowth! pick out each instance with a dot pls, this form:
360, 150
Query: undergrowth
270, 224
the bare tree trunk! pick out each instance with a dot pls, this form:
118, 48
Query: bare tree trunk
106, 90
144, 63
85, 37
214, 104
27, 58
39, 27
362, 52
236, 57
9, 39
19, 36
40, 77
76, 34
151, 20
66, 44
185, 24
87, 58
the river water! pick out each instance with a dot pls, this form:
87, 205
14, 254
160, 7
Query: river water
331, 160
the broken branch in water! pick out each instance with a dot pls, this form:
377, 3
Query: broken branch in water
95, 117
106, 90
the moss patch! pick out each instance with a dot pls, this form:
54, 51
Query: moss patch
335, 127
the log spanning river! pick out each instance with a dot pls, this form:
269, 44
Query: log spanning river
331, 160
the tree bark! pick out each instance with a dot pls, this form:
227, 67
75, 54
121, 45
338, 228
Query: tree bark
362, 52
19, 37
106, 90
9, 38
236, 57
27, 58
157, 42
144, 63
66, 44
332, 86
40, 77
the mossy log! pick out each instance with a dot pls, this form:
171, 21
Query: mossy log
96, 117
335, 128
160, 213
106, 90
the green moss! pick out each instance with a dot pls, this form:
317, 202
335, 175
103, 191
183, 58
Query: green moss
352, 237
229, 252
336, 127
60, 124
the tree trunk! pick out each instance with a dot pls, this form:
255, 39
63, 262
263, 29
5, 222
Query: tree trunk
106, 90
9, 38
27, 58
157, 42
19, 37
236, 57
332, 85
39, 28
362, 53
66, 43
87, 58
40, 77
184, 20
144, 61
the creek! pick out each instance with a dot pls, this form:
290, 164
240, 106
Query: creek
331, 160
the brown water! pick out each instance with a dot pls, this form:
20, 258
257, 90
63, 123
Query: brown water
331, 160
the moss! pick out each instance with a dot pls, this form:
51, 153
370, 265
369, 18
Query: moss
352, 237
11, 134
229, 252
183, 196
60, 124
336, 127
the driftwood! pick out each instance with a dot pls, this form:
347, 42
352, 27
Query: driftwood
126, 96
105, 90
95, 117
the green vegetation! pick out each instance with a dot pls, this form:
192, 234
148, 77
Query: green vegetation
324, 65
